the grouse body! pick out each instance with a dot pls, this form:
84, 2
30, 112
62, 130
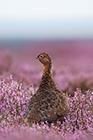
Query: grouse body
48, 104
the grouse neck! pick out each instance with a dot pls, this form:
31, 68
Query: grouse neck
47, 69
47, 81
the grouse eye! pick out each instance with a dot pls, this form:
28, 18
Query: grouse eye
42, 56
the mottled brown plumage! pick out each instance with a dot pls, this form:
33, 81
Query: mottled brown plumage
48, 104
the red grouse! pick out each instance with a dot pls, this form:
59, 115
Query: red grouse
48, 104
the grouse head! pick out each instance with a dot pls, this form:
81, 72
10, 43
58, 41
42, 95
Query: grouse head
45, 59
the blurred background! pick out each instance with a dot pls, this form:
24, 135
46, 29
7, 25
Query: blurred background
40, 20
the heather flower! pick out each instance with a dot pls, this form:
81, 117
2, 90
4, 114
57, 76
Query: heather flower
14, 99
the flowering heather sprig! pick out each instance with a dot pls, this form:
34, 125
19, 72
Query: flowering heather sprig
80, 116
14, 98
34, 133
